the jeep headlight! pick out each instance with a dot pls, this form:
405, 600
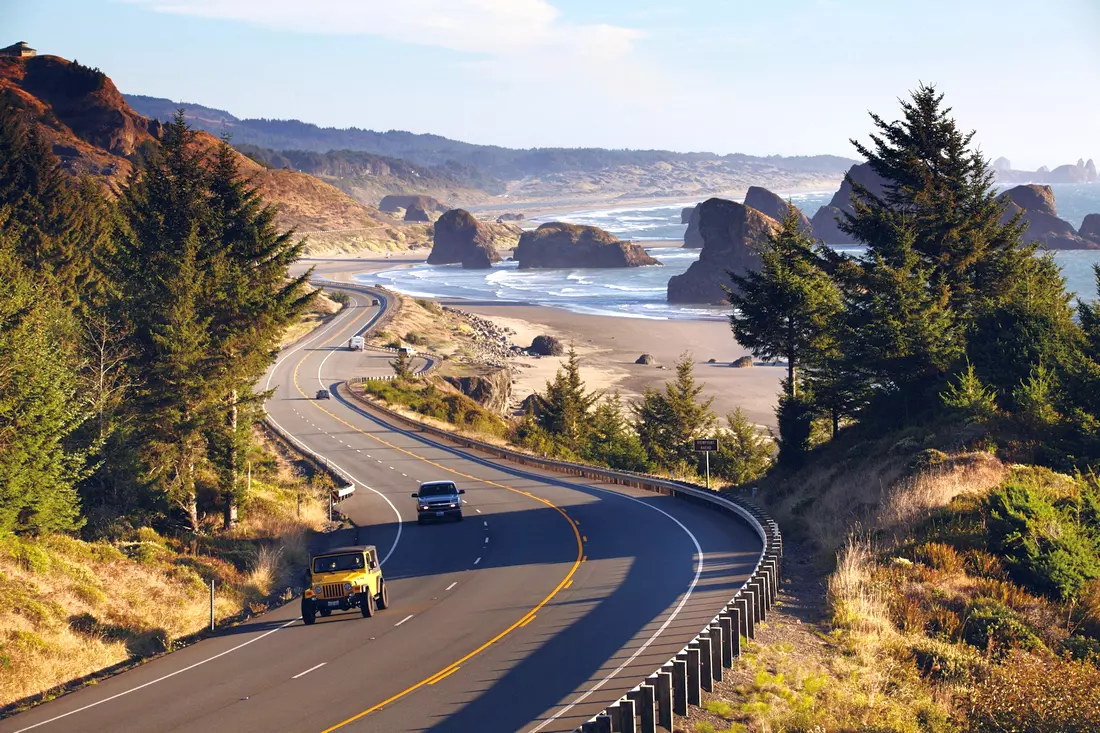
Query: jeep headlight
316, 590
347, 587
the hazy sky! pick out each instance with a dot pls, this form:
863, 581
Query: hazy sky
787, 77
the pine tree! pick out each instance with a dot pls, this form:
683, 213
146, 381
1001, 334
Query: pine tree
564, 406
743, 453
784, 309
937, 181
611, 440
901, 332
40, 402
161, 273
668, 421
249, 308
402, 365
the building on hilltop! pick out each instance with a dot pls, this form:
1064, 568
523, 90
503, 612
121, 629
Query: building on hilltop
19, 50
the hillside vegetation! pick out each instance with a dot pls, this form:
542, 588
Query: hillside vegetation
939, 436
87, 124
133, 329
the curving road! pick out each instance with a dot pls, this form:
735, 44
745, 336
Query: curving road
551, 599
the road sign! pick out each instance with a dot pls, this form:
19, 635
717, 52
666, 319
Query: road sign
706, 444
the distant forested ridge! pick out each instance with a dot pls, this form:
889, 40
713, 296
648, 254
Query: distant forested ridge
434, 150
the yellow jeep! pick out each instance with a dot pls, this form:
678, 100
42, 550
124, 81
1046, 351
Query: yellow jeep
345, 578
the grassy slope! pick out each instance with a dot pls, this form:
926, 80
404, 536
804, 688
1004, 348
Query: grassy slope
923, 625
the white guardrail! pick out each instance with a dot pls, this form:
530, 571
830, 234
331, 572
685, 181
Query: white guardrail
679, 682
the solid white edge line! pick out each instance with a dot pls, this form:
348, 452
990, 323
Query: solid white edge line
303, 674
403, 620
452, 585
160, 679
676, 612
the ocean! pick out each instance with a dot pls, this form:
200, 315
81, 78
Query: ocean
639, 292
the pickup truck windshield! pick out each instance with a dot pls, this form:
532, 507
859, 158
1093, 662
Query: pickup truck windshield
438, 490
337, 563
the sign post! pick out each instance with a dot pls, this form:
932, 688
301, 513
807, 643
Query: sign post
705, 446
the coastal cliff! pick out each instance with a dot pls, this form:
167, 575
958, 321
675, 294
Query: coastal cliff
559, 245
732, 235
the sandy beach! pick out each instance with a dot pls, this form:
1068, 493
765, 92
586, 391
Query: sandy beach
608, 346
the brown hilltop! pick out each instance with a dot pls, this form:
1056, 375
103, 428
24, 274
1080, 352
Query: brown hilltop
86, 121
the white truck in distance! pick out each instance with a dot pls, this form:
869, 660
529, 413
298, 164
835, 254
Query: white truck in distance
355, 343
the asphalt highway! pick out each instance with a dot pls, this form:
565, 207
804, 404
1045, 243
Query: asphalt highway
552, 598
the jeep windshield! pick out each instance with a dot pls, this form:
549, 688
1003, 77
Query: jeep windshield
337, 563
447, 489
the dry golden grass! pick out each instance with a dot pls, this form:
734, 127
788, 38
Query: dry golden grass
70, 608
322, 309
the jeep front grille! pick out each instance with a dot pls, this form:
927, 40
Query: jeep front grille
332, 590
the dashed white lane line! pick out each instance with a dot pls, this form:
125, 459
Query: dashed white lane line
477, 561
161, 679
403, 620
358, 451
478, 511
486, 540
303, 674
486, 523
405, 475
452, 585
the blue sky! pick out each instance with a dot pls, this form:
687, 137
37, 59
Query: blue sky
786, 77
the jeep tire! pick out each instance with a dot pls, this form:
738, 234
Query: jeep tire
383, 596
309, 614
366, 603
325, 612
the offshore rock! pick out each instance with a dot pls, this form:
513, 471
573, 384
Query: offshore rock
732, 234
825, 220
1041, 216
559, 245
775, 206
459, 237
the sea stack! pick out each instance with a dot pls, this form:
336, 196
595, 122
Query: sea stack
825, 220
732, 236
394, 202
460, 238
1041, 216
1090, 228
775, 206
692, 238
559, 245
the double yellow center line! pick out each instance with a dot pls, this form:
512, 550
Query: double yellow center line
522, 621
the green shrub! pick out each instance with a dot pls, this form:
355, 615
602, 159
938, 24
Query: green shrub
989, 624
947, 662
430, 305
1050, 543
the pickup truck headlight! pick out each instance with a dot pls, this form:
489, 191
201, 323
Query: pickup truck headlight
316, 590
452, 506
423, 507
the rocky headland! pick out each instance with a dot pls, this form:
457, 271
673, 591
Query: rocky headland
732, 234
559, 245
460, 238
396, 202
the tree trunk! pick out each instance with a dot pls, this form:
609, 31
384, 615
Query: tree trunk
231, 481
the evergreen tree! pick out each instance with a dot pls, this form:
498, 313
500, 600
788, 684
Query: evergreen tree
784, 309
668, 421
402, 365
40, 402
901, 334
564, 407
611, 440
250, 306
743, 454
943, 187
161, 272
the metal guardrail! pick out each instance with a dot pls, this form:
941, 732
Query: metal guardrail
678, 682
